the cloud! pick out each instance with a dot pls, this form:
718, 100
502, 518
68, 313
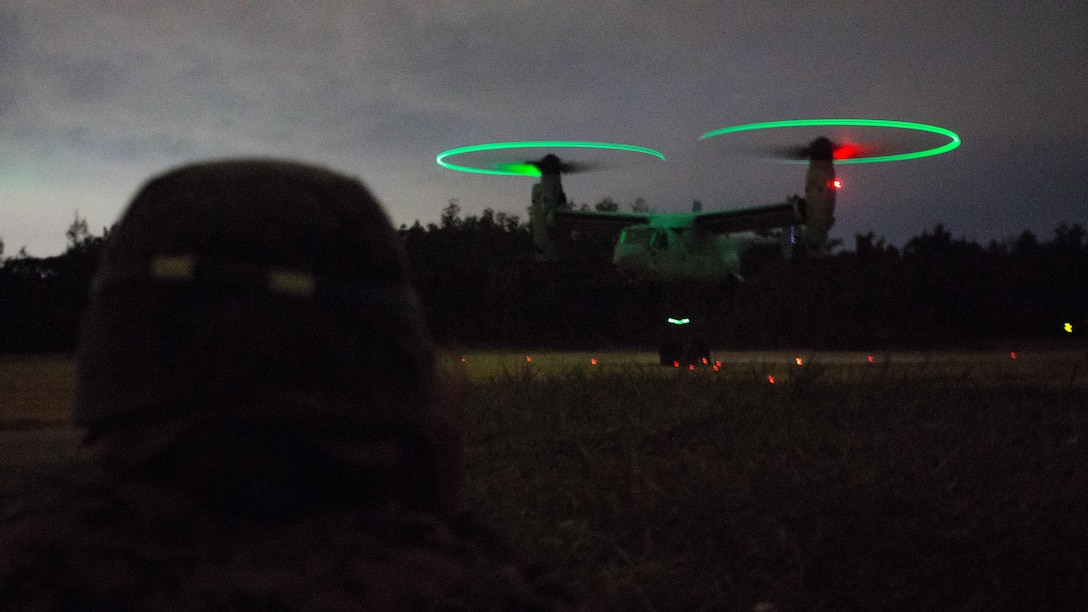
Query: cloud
98, 89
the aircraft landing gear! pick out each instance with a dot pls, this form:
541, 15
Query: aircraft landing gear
682, 345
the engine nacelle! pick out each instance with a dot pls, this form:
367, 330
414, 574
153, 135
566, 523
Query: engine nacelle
548, 197
820, 188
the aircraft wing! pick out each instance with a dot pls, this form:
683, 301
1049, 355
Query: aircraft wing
752, 219
587, 220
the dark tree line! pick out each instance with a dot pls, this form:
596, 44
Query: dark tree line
42, 299
480, 287
936, 291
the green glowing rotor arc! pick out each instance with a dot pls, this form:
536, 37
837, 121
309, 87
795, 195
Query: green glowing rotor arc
954, 139
529, 169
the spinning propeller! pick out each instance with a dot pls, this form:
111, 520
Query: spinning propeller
849, 152
824, 149
549, 164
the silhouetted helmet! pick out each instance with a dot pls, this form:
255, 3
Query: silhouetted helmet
264, 293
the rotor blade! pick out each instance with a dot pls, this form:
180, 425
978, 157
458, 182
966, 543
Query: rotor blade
839, 150
536, 167
790, 152
579, 167
793, 152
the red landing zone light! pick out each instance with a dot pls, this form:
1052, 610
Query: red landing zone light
835, 184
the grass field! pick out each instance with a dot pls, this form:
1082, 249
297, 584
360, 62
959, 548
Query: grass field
917, 481
35, 391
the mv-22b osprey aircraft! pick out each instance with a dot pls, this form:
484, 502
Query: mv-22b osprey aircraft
693, 250
684, 247
686, 250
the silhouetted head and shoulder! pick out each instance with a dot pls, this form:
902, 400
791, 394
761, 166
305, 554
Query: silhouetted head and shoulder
258, 394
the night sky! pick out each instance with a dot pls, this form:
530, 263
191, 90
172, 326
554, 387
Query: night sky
96, 97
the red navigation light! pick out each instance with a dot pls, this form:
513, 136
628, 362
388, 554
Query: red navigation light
770, 379
835, 184
847, 151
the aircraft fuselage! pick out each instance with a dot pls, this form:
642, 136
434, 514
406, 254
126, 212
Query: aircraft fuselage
672, 250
